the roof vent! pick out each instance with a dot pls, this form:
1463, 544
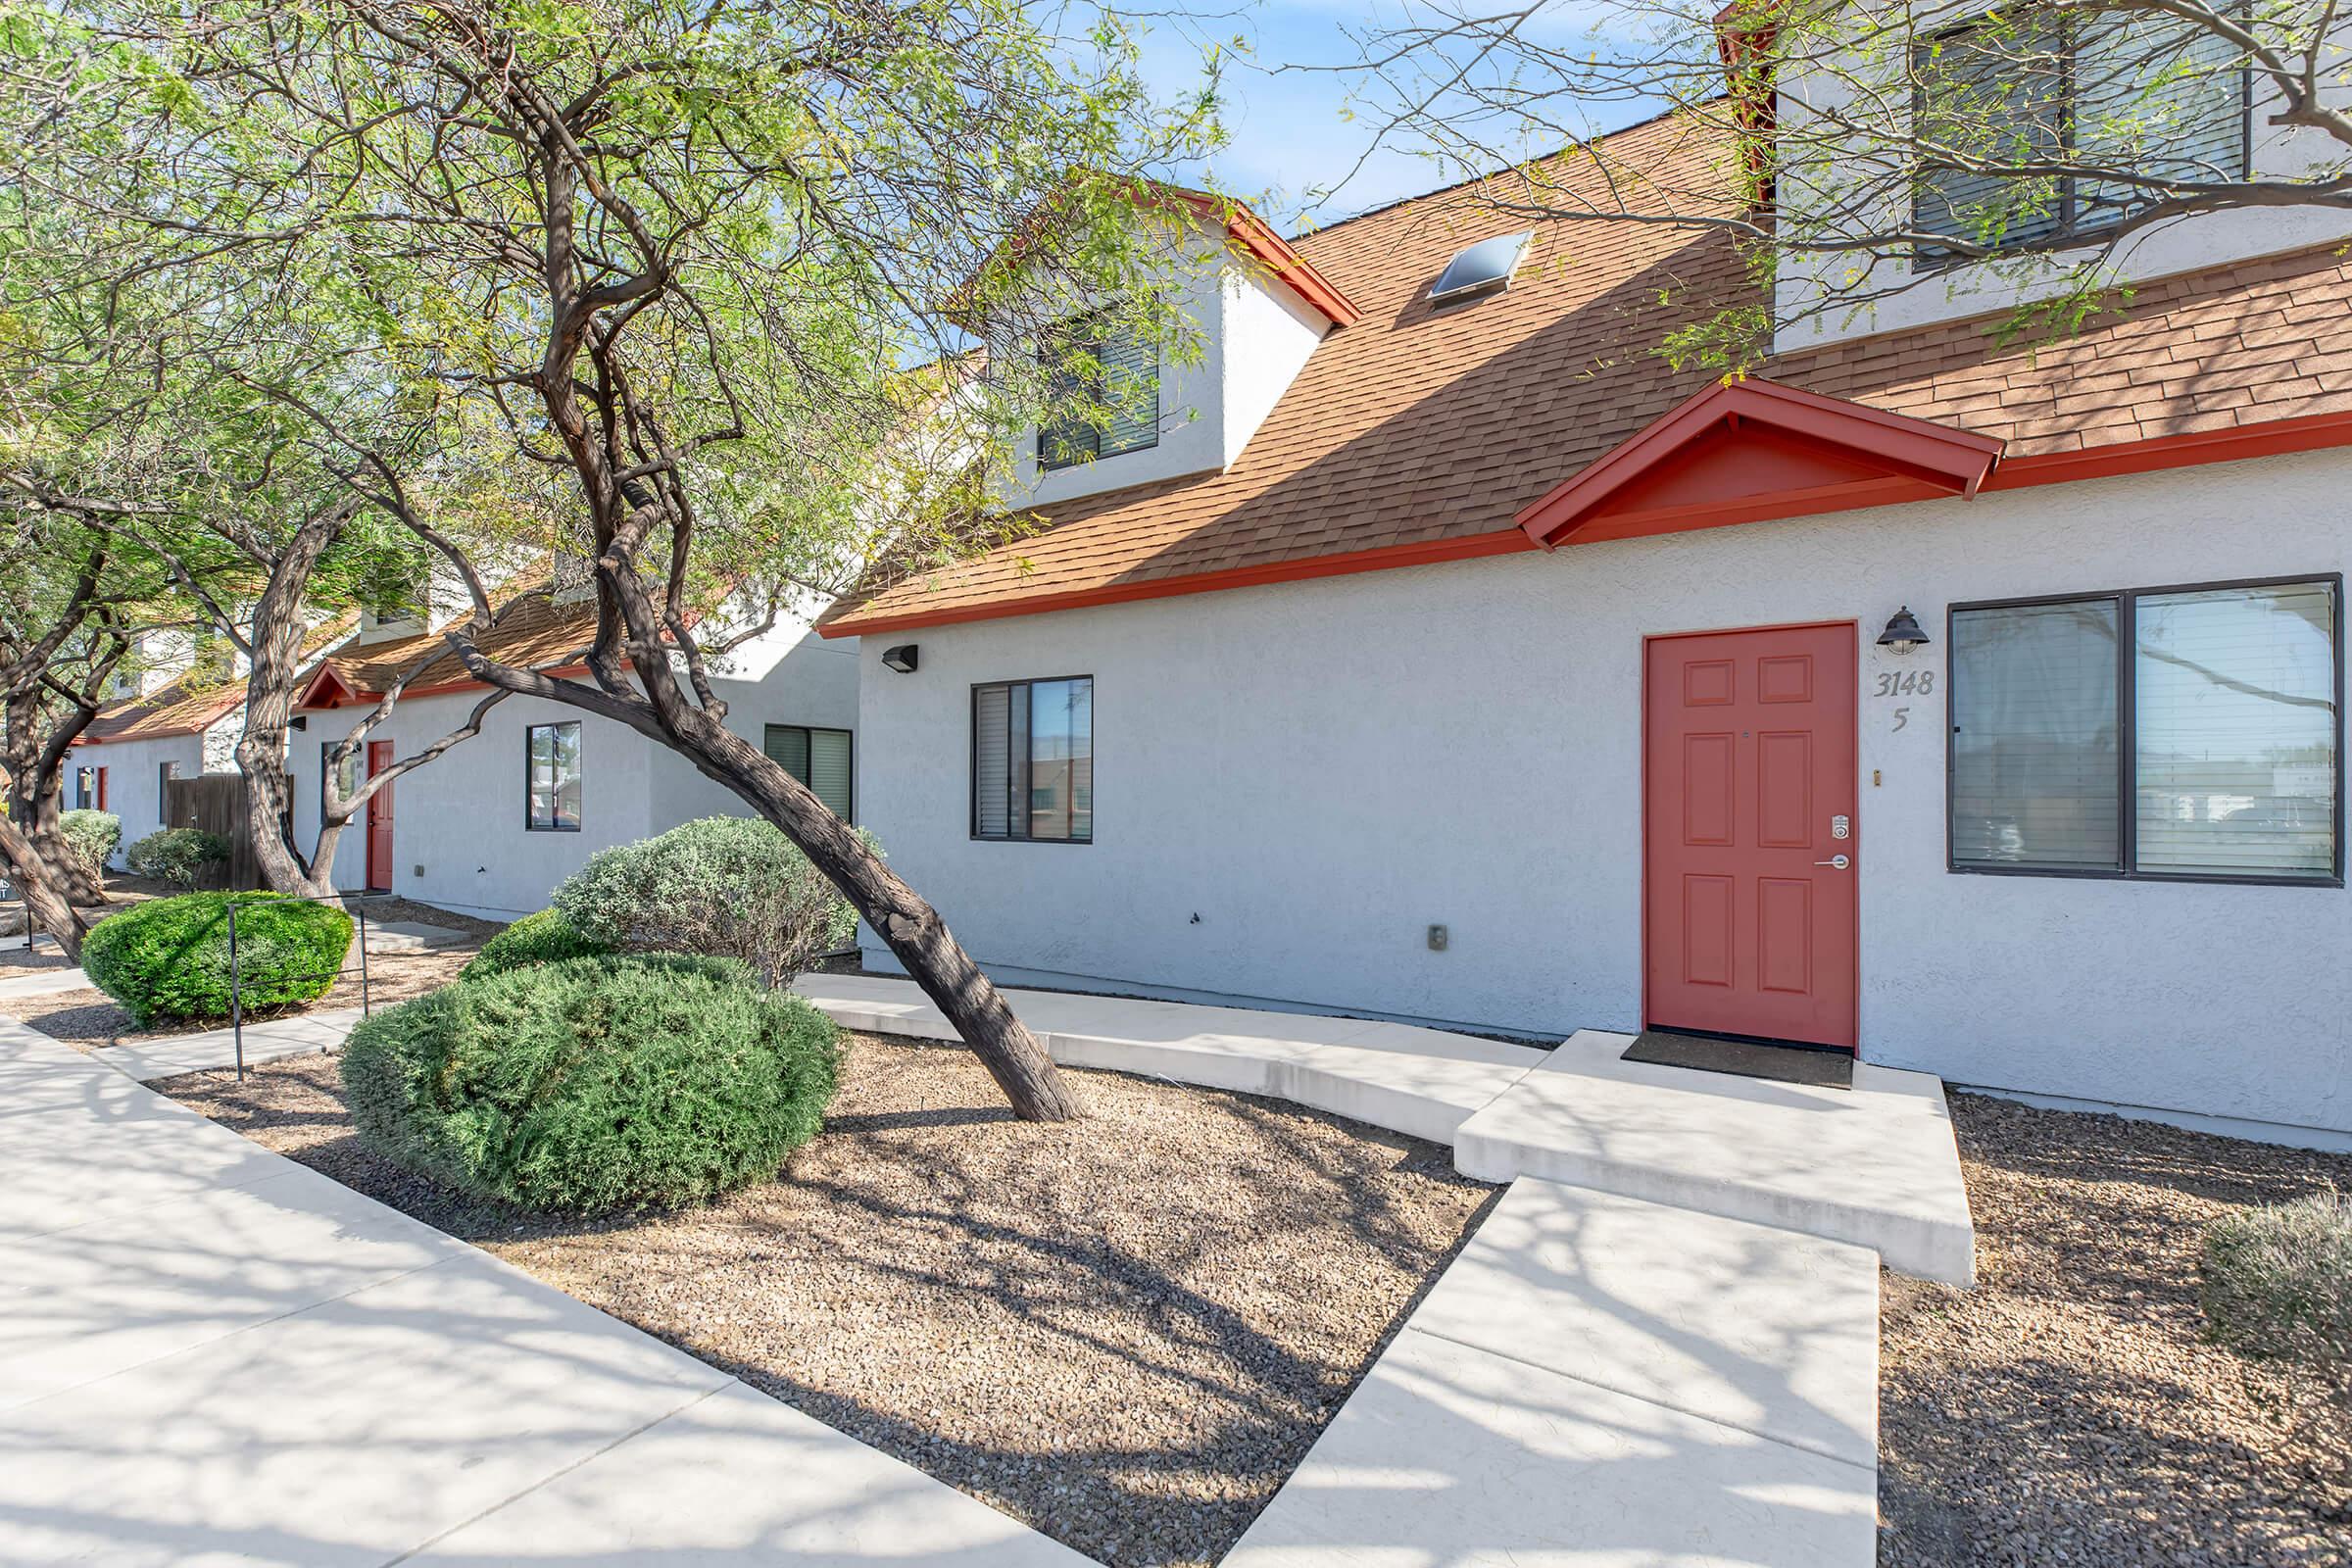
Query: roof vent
1488, 264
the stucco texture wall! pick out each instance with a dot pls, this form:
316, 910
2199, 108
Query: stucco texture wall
135, 778
1319, 771
460, 816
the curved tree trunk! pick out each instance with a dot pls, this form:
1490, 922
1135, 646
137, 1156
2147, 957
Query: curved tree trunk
276, 656
51, 908
898, 915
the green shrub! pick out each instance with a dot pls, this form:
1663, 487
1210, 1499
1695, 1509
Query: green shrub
91, 836
542, 938
597, 1084
2278, 1283
168, 958
180, 856
730, 887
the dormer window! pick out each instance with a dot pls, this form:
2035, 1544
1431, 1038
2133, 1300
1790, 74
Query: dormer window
2133, 92
1480, 268
1106, 373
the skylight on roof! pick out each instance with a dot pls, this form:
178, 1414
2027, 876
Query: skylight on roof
1488, 264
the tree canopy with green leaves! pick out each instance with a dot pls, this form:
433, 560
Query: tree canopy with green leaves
735, 300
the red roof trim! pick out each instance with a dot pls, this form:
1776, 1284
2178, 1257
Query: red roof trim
327, 690
1426, 553
2270, 438
1293, 268
1823, 438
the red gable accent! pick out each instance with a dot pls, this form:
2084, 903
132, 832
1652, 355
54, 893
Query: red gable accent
326, 689
1747, 451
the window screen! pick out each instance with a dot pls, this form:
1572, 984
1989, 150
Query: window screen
1117, 374
2033, 736
1033, 760
2213, 749
817, 758
2235, 690
2145, 93
551, 775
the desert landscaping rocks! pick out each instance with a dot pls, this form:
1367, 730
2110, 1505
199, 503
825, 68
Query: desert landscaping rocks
1125, 1334
2066, 1411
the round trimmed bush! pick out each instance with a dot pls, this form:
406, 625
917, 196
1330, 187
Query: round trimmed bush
729, 887
180, 856
91, 836
542, 938
594, 1085
166, 959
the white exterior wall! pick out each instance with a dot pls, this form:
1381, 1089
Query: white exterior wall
1321, 770
1256, 334
460, 817
134, 791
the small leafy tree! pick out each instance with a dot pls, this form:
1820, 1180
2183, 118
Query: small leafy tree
676, 258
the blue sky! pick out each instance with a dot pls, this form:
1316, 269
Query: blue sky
1288, 137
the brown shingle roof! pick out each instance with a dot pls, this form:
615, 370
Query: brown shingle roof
1417, 424
190, 705
1420, 433
532, 630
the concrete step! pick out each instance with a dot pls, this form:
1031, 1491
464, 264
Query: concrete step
1625, 1382
1422, 1082
1875, 1166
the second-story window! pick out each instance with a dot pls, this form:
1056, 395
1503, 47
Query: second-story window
1106, 383
2068, 94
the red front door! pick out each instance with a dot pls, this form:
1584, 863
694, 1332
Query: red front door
1750, 767
379, 820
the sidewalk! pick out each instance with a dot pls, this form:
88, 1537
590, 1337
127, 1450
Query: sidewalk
210, 1353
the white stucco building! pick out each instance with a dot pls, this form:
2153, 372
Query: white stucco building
491, 825
1506, 677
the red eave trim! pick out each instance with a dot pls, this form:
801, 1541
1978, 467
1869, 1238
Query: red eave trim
1468, 547
1293, 268
2270, 438
2310, 432
327, 690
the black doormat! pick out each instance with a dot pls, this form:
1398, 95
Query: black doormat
1746, 1058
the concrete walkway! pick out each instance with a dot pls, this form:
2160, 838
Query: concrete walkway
169, 1056
1875, 1166
209, 1354
1611, 1383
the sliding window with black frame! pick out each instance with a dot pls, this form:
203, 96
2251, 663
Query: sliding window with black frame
820, 759
2188, 734
1033, 760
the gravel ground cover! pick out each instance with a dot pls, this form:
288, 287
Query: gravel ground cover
89, 1019
2065, 1411
1125, 1334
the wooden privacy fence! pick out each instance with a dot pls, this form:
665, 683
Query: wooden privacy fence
215, 802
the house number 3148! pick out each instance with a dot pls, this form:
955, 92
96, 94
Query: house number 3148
1906, 683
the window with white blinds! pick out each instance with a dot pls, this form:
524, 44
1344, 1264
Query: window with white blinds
1033, 760
2234, 691
2035, 743
820, 759
2144, 91
552, 776
1113, 375
2212, 750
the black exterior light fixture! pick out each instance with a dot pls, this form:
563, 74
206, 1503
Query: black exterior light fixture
900, 658
1902, 633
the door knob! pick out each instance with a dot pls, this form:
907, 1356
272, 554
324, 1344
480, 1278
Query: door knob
1840, 861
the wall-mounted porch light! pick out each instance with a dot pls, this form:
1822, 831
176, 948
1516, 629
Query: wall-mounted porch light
901, 657
1902, 633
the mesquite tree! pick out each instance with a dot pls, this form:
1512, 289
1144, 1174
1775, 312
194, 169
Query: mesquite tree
678, 257
1864, 149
